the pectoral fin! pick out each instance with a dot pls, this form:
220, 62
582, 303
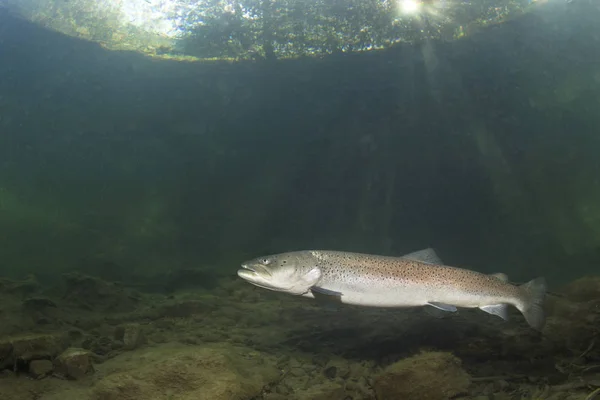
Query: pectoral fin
306, 282
325, 291
326, 296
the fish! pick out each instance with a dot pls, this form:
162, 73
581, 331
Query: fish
416, 279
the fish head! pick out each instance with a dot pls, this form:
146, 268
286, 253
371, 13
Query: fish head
293, 272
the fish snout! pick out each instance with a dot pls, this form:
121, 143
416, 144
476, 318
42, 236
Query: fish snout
248, 267
254, 269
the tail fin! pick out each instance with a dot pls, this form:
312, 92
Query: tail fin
534, 294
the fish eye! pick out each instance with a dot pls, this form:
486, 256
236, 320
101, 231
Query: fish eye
265, 261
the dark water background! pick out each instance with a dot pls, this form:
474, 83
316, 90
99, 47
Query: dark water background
125, 167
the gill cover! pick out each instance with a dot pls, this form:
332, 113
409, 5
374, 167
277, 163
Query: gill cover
305, 282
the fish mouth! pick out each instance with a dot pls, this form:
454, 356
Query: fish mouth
248, 268
253, 270
258, 275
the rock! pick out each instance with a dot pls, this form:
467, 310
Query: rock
38, 303
320, 359
96, 294
337, 368
571, 322
131, 335
425, 376
99, 345
117, 344
24, 348
6, 374
6, 351
325, 391
583, 289
25, 287
216, 372
40, 368
74, 363
275, 396
330, 372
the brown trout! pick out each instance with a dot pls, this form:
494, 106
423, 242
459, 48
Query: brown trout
416, 279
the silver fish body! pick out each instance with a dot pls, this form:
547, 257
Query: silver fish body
416, 279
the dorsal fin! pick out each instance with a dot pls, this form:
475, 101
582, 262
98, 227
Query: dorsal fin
501, 276
427, 255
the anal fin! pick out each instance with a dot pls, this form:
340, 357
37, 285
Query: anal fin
442, 306
501, 310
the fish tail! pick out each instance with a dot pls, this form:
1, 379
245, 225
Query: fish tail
534, 294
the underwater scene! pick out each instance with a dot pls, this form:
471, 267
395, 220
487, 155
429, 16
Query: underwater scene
299, 199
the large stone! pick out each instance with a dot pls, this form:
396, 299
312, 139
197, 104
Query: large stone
131, 335
74, 363
40, 368
24, 348
425, 376
92, 293
583, 289
186, 373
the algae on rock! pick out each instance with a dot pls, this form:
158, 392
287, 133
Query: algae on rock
425, 376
